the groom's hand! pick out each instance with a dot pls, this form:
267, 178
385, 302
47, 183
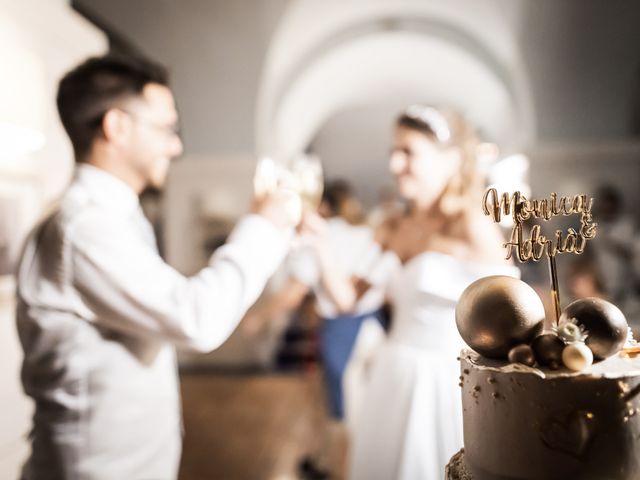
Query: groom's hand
282, 207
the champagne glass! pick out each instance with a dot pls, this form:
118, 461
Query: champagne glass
265, 179
307, 172
270, 177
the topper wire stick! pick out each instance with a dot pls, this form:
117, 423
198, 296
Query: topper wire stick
555, 291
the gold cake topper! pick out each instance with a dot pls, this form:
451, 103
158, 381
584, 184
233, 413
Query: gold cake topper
536, 245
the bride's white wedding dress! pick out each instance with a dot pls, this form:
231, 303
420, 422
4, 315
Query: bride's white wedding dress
410, 422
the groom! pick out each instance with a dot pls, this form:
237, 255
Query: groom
99, 312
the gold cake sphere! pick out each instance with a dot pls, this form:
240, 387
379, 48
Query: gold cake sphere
496, 313
605, 324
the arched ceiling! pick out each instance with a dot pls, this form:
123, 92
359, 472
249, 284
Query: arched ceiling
415, 68
397, 52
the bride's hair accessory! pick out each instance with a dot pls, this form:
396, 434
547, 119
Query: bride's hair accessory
432, 118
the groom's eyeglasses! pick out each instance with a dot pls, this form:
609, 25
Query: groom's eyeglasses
169, 130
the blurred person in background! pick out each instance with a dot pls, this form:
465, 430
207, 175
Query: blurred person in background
389, 205
99, 312
340, 333
615, 250
410, 423
584, 279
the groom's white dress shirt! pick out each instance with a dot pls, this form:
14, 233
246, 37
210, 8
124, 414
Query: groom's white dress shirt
99, 315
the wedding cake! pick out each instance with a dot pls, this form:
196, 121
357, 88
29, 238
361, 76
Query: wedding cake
554, 403
540, 424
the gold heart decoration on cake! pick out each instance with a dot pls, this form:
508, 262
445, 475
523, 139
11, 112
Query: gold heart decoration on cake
569, 433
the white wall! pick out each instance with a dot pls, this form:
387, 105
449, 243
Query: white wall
203, 195
15, 409
215, 50
583, 61
568, 168
55, 38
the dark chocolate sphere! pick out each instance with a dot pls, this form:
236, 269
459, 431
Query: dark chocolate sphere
548, 350
522, 354
494, 314
606, 326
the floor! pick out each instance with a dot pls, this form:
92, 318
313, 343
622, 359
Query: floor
250, 426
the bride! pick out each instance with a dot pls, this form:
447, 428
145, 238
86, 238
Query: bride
410, 422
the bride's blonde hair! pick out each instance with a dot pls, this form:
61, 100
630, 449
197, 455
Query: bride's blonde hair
449, 129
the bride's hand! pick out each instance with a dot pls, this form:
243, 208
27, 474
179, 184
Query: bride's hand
337, 283
313, 231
